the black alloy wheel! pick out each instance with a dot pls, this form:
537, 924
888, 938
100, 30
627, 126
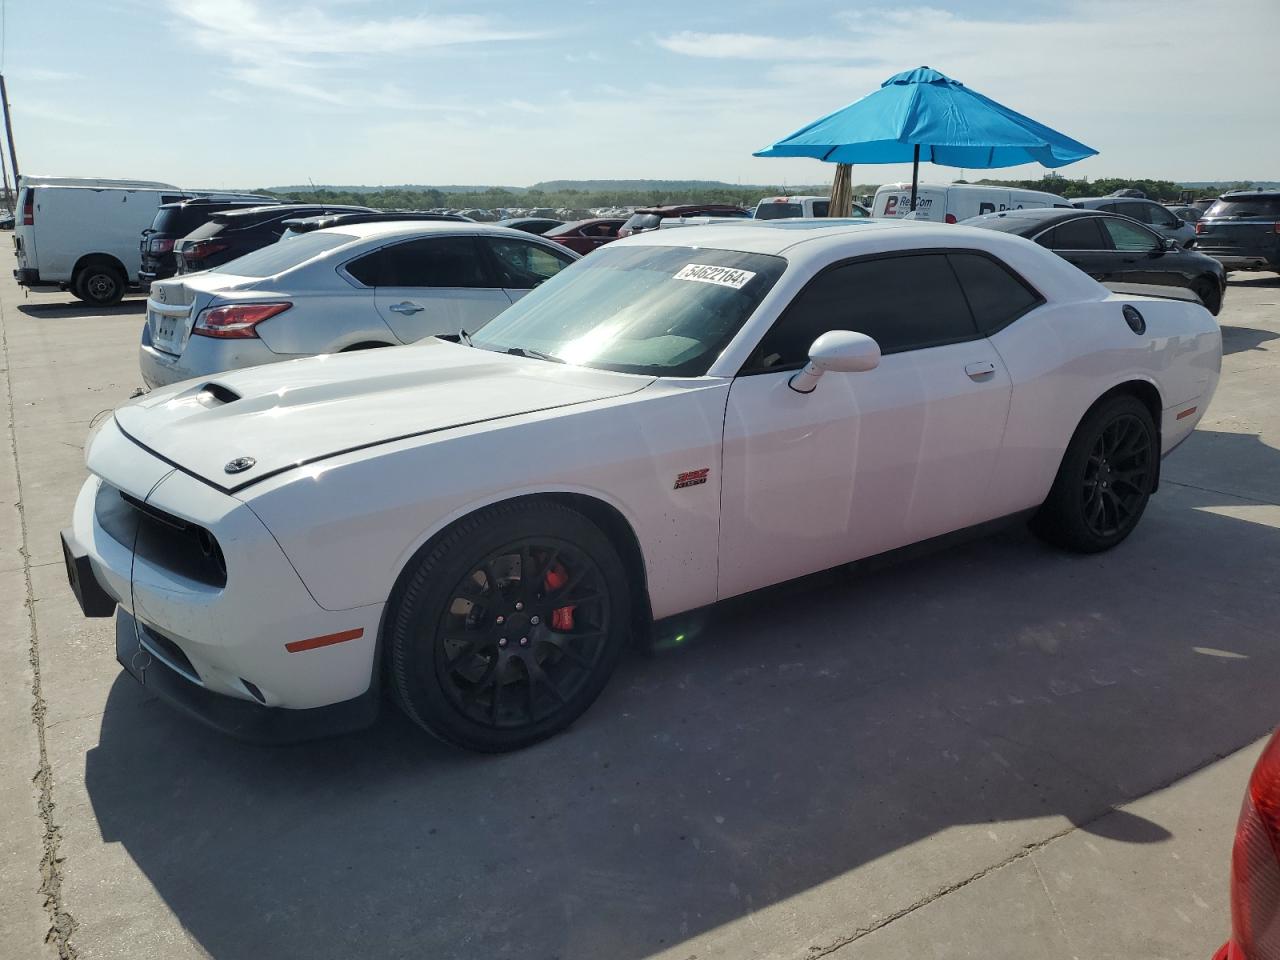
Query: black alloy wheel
1117, 475
522, 632
508, 625
1105, 479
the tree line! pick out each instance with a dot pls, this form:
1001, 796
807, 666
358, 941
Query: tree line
497, 197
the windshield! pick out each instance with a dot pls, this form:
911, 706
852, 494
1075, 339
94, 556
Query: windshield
1246, 207
279, 257
642, 221
662, 311
777, 211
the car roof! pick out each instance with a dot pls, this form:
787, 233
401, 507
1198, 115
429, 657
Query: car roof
278, 209
778, 236
1042, 215
1250, 195
391, 229
674, 210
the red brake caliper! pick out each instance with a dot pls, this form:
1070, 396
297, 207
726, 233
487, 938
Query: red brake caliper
561, 617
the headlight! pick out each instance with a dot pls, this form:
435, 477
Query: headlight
95, 427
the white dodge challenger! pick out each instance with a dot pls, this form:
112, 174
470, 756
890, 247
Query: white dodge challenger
476, 525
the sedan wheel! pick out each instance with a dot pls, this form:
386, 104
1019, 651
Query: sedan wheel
509, 627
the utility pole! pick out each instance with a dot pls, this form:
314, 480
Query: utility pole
8, 130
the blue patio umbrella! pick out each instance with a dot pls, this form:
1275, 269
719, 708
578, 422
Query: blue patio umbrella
922, 113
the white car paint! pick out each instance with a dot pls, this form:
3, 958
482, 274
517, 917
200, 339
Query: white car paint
362, 458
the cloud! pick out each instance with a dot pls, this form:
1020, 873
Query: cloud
236, 27
304, 52
750, 46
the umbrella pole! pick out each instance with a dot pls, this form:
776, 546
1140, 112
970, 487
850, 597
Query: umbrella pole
915, 177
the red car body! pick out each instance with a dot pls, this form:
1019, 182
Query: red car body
1255, 866
583, 236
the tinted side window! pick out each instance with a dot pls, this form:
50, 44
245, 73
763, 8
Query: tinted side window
1081, 234
820, 207
1163, 216
1130, 237
996, 296
903, 303
430, 262
521, 265
1134, 208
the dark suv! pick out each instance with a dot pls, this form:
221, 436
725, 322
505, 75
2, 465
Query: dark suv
648, 218
1242, 230
173, 221
236, 232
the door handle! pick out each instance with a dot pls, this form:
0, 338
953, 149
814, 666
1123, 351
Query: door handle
406, 307
977, 371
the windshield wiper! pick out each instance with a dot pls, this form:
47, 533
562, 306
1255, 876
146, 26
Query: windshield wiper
533, 354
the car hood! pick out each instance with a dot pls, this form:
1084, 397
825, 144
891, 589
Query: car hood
285, 415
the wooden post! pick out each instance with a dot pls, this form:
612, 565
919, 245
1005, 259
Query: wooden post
915, 175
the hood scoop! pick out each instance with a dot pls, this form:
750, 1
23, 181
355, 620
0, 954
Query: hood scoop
216, 395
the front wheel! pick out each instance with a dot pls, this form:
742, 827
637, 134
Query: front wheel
1105, 479
1209, 293
509, 627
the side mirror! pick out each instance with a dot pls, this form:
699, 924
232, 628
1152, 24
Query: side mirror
840, 350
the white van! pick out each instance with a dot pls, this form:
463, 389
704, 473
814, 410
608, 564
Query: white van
777, 208
953, 202
82, 234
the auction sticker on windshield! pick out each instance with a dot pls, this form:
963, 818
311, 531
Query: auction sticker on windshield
721, 276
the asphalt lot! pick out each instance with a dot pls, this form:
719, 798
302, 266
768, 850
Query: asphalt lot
994, 751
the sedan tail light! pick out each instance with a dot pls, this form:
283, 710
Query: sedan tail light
1255, 864
236, 322
1275, 227
203, 249
1200, 227
951, 218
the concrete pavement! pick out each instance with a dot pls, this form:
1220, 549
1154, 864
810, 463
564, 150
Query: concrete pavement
997, 750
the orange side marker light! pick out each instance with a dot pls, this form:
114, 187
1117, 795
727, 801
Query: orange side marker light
326, 641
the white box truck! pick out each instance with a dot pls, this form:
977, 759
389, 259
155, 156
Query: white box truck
82, 234
953, 202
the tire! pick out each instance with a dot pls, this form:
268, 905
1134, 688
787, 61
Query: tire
1105, 479
99, 284
484, 660
1207, 290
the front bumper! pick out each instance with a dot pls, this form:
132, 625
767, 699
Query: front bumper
252, 639
242, 719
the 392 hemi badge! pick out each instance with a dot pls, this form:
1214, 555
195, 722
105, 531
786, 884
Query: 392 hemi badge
692, 478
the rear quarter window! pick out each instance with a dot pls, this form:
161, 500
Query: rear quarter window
997, 296
1246, 207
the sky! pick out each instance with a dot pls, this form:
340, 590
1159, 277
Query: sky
253, 93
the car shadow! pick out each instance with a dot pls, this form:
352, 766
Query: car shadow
793, 740
1248, 279
1238, 339
75, 309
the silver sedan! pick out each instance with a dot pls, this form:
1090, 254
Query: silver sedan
347, 288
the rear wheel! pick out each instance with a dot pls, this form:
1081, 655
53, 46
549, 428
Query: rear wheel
509, 627
1105, 479
99, 284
